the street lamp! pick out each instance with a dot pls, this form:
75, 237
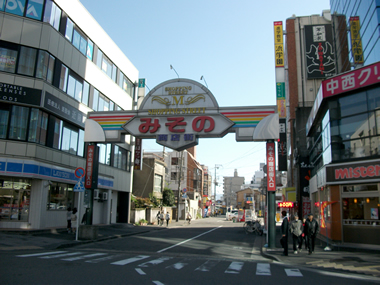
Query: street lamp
171, 67
204, 79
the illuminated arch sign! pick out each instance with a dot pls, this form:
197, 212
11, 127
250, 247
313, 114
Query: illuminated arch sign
177, 113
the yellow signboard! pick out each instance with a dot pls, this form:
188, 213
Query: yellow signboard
279, 55
356, 41
278, 33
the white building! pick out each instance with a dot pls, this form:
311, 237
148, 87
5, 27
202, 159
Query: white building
56, 65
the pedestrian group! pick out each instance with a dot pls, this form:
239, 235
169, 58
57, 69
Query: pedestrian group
302, 231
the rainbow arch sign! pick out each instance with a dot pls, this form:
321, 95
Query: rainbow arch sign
177, 113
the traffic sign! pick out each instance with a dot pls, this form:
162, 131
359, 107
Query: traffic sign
184, 190
79, 172
79, 187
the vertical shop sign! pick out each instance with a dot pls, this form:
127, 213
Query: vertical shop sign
320, 56
281, 103
138, 160
92, 165
271, 168
278, 44
356, 41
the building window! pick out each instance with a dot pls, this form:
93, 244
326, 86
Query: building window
69, 140
121, 158
157, 183
38, 126
74, 88
27, 61
69, 29
52, 14
125, 84
8, 60
360, 208
175, 160
105, 153
63, 78
15, 200
173, 176
4, 117
45, 66
90, 49
60, 196
19, 123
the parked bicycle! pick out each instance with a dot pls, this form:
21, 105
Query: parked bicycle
253, 227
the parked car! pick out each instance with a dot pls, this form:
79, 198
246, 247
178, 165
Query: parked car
231, 215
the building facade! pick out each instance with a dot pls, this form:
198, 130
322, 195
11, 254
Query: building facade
310, 58
343, 136
56, 65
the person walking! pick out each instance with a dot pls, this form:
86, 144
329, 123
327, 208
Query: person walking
162, 218
74, 220
68, 217
158, 217
285, 233
303, 236
188, 217
296, 230
311, 231
167, 218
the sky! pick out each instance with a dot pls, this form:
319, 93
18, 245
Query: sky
228, 42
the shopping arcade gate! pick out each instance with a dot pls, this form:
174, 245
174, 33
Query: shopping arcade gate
177, 113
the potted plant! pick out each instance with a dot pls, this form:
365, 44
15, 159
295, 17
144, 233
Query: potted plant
143, 222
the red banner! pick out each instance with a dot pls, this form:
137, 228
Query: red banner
271, 167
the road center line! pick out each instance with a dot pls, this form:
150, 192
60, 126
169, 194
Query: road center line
182, 242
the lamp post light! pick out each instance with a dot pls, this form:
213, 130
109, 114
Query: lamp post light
204, 79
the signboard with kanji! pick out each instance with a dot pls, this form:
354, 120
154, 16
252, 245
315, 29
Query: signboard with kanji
320, 56
271, 167
279, 44
356, 41
177, 113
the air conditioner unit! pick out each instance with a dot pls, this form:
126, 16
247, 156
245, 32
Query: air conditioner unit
96, 195
104, 196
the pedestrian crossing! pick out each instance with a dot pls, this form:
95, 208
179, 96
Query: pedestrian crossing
143, 262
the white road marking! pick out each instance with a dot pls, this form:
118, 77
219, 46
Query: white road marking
182, 242
178, 265
158, 283
84, 256
234, 267
293, 272
207, 265
155, 261
130, 260
61, 255
97, 260
40, 254
140, 271
263, 269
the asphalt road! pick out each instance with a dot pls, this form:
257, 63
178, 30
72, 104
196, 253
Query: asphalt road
210, 251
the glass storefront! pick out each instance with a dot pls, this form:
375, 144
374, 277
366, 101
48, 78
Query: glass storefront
60, 196
14, 199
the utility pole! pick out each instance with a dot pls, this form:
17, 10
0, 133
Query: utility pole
216, 167
179, 184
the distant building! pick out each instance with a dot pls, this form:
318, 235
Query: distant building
230, 187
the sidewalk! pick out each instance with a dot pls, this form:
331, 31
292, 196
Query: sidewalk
358, 259
55, 238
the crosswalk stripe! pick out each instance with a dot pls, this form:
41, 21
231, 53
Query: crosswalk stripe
40, 254
155, 261
140, 271
207, 265
130, 260
293, 272
61, 255
234, 267
263, 269
84, 256
178, 265
97, 260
